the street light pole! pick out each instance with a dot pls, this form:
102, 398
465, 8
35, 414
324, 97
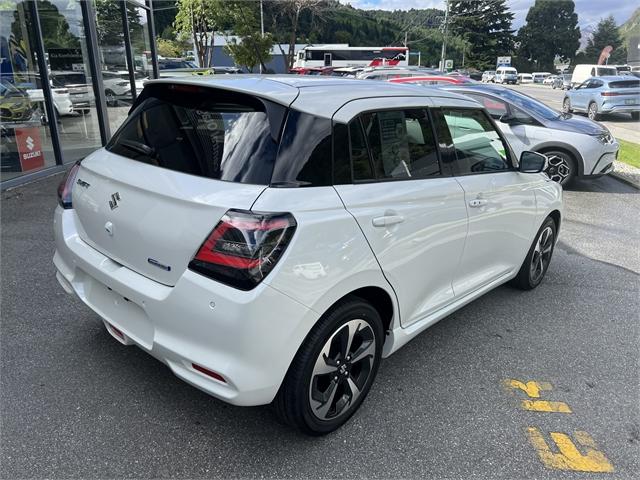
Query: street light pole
444, 36
261, 28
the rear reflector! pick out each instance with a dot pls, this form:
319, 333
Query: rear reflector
209, 373
244, 247
116, 331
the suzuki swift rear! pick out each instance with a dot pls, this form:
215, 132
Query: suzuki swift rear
244, 232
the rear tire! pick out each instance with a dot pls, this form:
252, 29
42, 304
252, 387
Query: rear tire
592, 111
333, 370
537, 261
566, 105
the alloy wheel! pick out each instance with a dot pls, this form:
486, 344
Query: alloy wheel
541, 255
559, 168
593, 111
566, 106
342, 369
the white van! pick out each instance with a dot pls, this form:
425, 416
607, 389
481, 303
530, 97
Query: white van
538, 77
506, 75
584, 71
525, 78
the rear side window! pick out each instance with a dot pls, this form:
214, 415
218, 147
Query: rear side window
400, 145
478, 147
304, 158
204, 132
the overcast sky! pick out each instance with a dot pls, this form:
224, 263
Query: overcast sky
589, 11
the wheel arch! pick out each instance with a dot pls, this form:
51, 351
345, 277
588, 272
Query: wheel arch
557, 218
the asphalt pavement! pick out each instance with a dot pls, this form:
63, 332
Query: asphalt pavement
77, 404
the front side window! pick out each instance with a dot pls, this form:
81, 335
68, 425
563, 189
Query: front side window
478, 146
206, 133
400, 145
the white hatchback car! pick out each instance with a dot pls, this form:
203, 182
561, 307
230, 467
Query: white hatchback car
270, 239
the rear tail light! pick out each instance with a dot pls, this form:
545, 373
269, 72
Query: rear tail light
244, 247
65, 187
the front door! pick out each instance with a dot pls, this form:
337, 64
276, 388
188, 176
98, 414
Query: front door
412, 215
499, 200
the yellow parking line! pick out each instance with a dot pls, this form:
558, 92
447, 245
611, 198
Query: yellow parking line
569, 457
532, 389
545, 406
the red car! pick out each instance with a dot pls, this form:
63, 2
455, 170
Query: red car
312, 70
434, 80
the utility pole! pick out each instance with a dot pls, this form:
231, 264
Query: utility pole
444, 35
261, 28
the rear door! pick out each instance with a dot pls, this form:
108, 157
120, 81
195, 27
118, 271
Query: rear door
180, 161
412, 214
499, 200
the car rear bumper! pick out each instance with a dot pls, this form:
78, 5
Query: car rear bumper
620, 108
249, 338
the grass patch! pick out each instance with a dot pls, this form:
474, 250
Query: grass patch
629, 153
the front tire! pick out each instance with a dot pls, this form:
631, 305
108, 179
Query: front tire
334, 369
561, 167
537, 261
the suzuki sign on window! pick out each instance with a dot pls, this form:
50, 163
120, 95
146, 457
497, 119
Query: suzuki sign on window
29, 149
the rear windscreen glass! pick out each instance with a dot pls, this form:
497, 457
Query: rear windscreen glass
204, 132
625, 84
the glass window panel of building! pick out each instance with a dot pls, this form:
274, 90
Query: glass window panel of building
25, 143
68, 62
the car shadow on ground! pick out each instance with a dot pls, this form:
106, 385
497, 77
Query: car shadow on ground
604, 184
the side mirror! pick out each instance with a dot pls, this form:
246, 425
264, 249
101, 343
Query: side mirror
532, 162
509, 119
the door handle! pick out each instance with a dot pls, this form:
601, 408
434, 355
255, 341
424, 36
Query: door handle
478, 202
387, 220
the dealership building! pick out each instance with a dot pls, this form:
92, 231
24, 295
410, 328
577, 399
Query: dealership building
70, 70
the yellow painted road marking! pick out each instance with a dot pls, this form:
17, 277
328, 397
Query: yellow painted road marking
545, 406
532, 389
569, 457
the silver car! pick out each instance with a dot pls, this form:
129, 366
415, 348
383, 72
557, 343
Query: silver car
576, 147
601, 95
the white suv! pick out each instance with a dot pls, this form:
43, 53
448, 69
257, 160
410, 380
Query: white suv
270, 239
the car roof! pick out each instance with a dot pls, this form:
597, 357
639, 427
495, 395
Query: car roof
317, 95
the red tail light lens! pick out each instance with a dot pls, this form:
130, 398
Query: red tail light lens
64, 189
244, 247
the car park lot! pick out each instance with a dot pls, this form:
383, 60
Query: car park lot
620, 125
75, 403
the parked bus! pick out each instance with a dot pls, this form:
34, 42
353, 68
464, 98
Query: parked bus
346, 56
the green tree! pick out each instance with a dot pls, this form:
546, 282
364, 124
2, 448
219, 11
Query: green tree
198, 18
55, 27
551, 30
109, 24
253, 48
485, 28
606, 34
168, 48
